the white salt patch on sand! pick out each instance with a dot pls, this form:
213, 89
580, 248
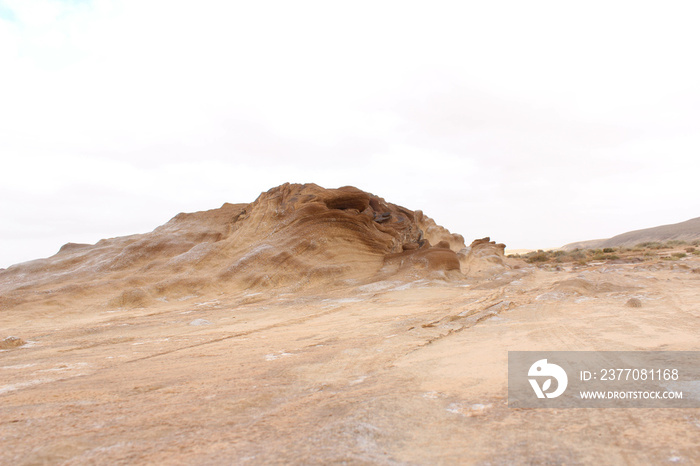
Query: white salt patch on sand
18, 386
454, 408
550, 296
272, 357
471, 410
31, 383
185, 298
379, 286
150, 341
65, 367
358, 380
344, 300
18, 366
200, 322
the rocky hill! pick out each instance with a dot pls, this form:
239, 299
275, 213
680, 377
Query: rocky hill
292, 236
684, 231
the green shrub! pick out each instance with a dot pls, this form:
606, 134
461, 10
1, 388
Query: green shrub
608, 249
539, 256
577, 255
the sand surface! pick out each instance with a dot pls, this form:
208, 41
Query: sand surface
389, 373
398, 359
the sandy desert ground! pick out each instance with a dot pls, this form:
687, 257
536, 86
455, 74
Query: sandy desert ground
403, 365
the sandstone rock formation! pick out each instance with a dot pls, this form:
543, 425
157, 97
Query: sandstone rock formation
483, 258
291, 236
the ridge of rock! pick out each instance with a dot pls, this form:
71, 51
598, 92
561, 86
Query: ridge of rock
294, 235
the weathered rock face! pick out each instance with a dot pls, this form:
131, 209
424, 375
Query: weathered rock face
299, 233
483, 258
292, 235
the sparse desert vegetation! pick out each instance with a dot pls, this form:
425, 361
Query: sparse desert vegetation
647, 251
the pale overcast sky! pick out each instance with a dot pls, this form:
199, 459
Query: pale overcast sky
536, 123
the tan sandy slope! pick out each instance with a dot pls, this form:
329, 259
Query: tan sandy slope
683, 231
206, 350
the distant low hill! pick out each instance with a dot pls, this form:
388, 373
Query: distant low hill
684, 231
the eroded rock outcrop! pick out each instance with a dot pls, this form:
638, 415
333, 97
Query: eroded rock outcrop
294, 235
483, 258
